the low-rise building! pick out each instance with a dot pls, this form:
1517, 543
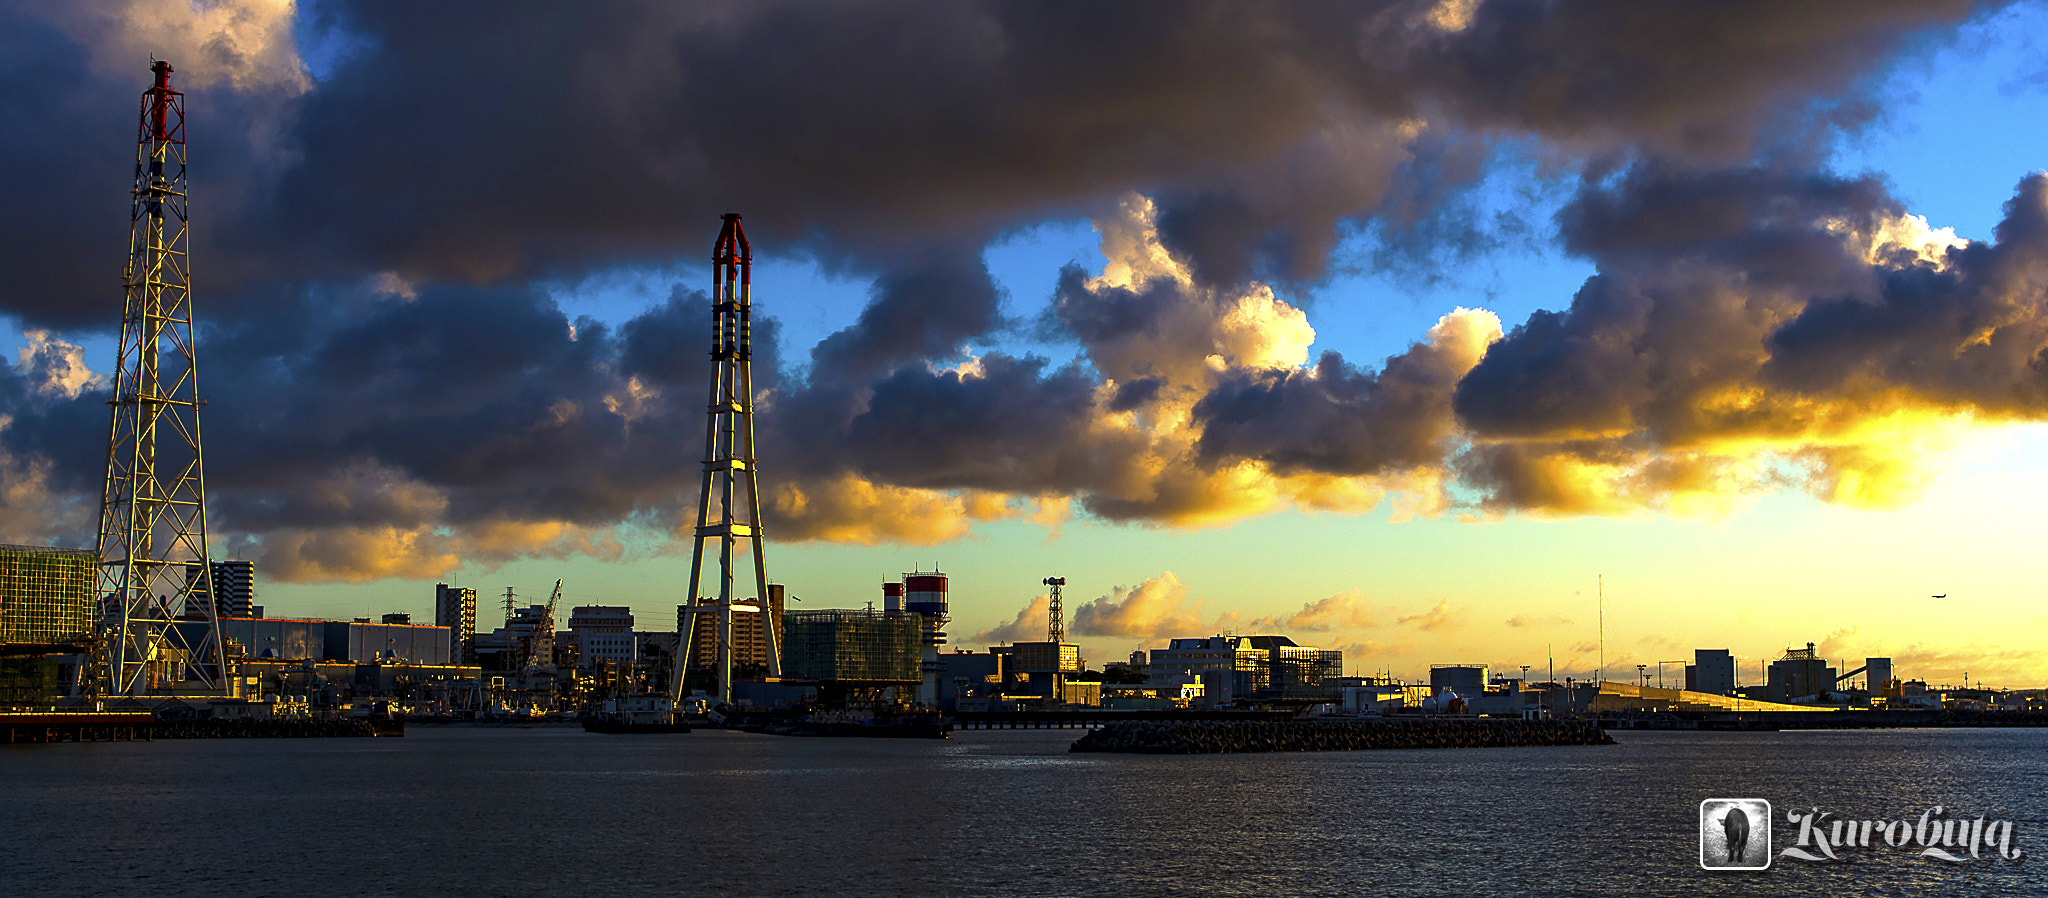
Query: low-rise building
1250, 668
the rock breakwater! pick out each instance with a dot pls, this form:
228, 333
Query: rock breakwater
1214, 737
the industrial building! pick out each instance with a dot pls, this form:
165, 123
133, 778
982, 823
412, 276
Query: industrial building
1712, 671
1249, 668
455, 608
1467, 680
46, 595
355, 642
1040, 669
1799, 674
235, 583
855, 646
966, 673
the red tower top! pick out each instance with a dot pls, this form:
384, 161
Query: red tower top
163, 109
732, 249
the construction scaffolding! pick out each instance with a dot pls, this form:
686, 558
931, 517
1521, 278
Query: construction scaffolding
46, 595
852, 646
1297, 672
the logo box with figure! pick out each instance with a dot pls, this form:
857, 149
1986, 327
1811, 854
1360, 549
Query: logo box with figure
1735, 834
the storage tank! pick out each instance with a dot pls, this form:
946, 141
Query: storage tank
925, 593
892, 597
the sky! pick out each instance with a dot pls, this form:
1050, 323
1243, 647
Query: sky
1556, 334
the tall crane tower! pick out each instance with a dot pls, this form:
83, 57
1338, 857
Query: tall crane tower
729, 470
540, 650
153, 507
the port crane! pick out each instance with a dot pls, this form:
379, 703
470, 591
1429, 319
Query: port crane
541, 648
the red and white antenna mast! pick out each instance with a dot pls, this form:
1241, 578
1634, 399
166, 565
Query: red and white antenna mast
152, 536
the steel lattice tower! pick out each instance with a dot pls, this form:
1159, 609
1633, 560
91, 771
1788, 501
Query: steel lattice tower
153, 509
729, 469
1055, 621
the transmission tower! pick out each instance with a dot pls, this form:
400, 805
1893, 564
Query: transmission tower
153, 509
729, 472
1055, 620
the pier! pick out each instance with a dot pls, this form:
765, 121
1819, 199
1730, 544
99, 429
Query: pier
75, 726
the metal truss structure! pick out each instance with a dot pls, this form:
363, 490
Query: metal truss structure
153, 508
729, 466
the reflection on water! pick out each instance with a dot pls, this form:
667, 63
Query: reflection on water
456, 811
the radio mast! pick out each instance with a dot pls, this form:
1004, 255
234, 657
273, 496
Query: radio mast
152, 535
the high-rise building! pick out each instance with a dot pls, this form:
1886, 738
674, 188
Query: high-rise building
749, 633
455, 608
235, 581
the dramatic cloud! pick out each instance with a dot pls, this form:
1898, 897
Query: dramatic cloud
392, 390
1155, 608
1748, 327
545, 138
1335, 418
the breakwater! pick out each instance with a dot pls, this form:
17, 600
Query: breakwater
1211, 737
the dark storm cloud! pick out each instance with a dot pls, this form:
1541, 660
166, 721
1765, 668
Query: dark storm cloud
1011, 428
1694, 268
476, 155
920, 308
67, 156
1335, 418
1699, 80
1972, 334
546, 139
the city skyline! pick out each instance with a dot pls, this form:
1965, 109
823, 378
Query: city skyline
1399, 357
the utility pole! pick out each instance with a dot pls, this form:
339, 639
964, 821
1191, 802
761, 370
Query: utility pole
152, 527
729, 465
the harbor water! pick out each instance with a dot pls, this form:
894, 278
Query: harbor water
457, 810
